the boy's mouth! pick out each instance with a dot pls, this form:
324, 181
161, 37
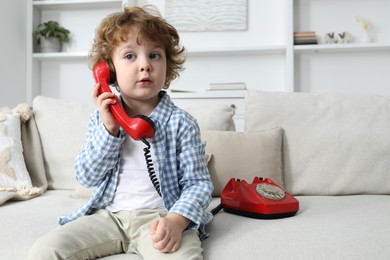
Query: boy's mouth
145, 80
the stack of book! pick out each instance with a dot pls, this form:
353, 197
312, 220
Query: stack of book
305, 38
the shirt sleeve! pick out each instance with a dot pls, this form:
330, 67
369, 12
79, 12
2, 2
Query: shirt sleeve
98, 155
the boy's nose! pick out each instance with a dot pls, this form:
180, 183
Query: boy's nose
145, 66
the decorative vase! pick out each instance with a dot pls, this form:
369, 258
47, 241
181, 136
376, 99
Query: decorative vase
367, 36
51, 44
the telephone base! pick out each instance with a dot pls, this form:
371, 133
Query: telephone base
258, 215
261, 199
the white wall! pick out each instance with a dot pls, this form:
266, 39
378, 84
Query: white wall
12, 52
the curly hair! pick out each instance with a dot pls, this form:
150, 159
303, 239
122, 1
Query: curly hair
116, 27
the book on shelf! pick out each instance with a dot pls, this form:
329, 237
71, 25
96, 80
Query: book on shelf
304, 34
306, 41
227, 86
308, 37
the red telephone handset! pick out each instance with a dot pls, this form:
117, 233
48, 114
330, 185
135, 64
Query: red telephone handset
138, 127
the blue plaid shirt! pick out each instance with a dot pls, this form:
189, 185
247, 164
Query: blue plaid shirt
185, 182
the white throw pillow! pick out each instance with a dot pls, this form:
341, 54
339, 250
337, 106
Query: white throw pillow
14, 176
244, 155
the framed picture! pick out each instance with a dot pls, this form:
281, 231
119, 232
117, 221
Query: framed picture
207, 15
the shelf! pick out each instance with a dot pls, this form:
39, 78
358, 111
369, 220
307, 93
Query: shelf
339, 48
76, 4
60, 56
273, 49
191, 53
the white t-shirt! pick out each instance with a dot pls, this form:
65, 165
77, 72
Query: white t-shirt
135, 189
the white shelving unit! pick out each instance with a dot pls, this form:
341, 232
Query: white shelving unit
39, 81
51, 73
264, 57
357, 66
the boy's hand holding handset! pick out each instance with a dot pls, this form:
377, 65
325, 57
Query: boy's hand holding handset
103, 101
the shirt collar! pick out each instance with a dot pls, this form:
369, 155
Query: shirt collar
161, 114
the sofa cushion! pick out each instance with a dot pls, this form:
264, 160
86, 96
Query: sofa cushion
217, 117
244, 156
335, 144
62, 127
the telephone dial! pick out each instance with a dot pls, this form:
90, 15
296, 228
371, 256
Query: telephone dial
262, 199
139, 127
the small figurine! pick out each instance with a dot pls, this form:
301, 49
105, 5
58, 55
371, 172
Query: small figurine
345, 37
329, 38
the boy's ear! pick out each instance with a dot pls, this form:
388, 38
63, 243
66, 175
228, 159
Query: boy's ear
112, 71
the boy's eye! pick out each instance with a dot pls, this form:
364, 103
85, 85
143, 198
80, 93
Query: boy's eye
155, 56
130, 56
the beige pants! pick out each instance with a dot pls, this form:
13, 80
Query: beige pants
106, 233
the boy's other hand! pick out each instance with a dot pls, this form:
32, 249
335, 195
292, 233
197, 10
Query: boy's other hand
167, 232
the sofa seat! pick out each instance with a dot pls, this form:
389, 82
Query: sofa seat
24, 221
323, 226
326, 227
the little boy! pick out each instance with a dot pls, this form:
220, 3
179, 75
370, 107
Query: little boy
125, 213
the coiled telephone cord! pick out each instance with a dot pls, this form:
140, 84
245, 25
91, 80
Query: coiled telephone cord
150, 167
153, 177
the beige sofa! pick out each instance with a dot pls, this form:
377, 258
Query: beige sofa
331, 151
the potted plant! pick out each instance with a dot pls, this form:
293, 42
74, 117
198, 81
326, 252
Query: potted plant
50, 36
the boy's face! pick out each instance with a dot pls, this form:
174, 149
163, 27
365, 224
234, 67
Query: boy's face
140, 69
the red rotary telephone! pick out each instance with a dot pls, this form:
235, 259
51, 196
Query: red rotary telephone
138, 127
262, 199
